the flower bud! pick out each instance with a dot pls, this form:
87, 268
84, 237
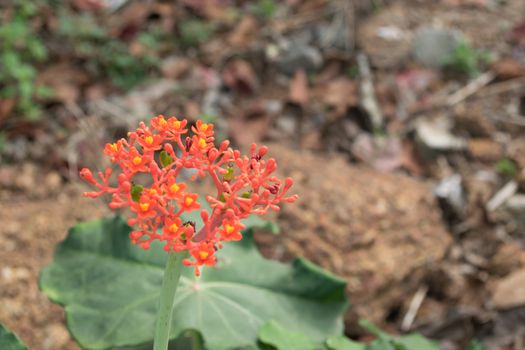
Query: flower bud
87, 176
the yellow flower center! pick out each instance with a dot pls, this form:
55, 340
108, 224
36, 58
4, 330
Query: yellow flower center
163, 122
153, 192
202, 143
203, 254
176, 124
229, 228
144, 206
174, 188
188, 201
149, 140
137, 160
173, 228
113, 147
204, 127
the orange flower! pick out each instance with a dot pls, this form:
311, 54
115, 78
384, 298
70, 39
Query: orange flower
188, 202
245, 185
231, 230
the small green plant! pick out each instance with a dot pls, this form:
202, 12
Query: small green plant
20, 50
264, 8
466, 59
507, 167
105, 55
194, 32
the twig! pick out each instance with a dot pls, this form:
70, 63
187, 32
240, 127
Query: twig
503, 87
470, 89
368, 97
502, 195
415, 304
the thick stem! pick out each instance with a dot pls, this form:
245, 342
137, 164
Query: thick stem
167, 297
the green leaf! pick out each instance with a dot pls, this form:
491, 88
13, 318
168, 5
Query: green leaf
9, 340
475, 345
280, 338
165, 159
385, 341
110, 290
136, 191
416, 342
343, 343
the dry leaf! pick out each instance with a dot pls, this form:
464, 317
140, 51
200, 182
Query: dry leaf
252, 126
65, 79
340, 95
175, 67
238, 75
508, 68
299, 88
244, 33
6, 107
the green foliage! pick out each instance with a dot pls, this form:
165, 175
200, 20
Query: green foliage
110, 289
272, 333
105, 55
264, 8
20, 50
406, 342
274, 336
507, 167
9, 340
475, 345
194, 32
466, 60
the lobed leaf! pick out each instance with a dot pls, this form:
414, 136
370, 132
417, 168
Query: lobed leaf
110, 290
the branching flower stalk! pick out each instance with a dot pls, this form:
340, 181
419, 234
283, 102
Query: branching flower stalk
245, 185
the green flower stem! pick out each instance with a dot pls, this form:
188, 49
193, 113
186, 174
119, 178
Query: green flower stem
167, 297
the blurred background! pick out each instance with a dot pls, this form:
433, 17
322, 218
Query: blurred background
401, 121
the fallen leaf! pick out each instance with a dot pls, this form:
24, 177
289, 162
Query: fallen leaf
239, 75
517, 33
340, 94
89, 5
252, 126
192, 110
409, 159
330, 72
215, 10
510, 291
508, 68
66, 81
384, 154
6, 107
299, 88
244, 33
175, 67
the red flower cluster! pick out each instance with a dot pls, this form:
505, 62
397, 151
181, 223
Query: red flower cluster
245, 185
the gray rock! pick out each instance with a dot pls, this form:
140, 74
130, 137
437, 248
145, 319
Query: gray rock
432, 47
451, 196
299, 55
434, 135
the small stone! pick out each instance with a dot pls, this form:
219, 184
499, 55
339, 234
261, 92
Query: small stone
514, 207
485, 149
451, 196
53, 182
298, 56
432, 47
57, 337
434, 135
